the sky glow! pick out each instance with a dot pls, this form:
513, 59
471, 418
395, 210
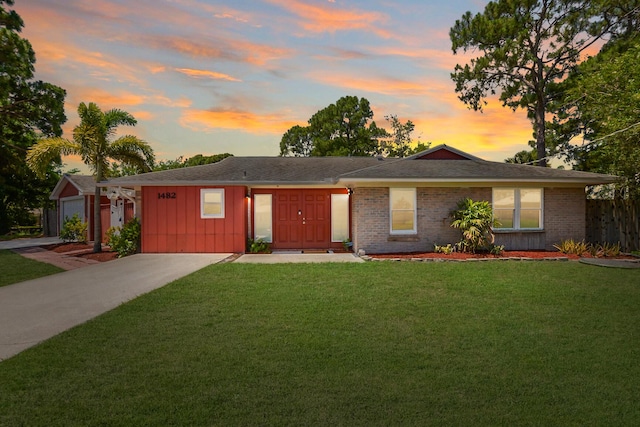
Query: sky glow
207, 77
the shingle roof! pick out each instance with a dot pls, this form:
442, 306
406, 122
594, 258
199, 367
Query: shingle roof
256, 171
352, 170
469, 170
85, 184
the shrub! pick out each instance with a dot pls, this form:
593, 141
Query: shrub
258, 246
74, 230
447, 250
580, 248
475, 220
126, 240
571, 247
496, 249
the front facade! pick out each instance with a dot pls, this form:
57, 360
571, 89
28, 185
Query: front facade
381, 205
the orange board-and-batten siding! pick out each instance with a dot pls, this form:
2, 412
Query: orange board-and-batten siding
173, 224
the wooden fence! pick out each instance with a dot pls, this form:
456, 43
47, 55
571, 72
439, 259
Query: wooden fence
613, 221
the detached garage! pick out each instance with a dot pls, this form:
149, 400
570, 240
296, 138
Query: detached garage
74, 195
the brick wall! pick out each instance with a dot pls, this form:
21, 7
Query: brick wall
564, 217
371, 219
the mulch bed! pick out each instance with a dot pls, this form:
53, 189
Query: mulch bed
505, 254
81, 250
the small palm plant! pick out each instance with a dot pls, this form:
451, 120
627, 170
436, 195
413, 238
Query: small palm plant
475, 220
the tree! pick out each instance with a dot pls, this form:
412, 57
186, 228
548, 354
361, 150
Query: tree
27, 107
196, 160
92, 141
601, 103
400, 139
523, 157
341, 129
297, 142
526, 47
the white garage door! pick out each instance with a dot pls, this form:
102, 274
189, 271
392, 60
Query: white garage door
70, 207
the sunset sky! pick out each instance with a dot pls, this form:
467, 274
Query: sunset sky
207, 77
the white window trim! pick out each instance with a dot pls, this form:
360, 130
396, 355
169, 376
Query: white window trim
516, 214
415, 213
204, 191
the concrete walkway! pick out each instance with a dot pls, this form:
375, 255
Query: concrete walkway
614, 263
35, 310
29, 242
66, 261
278, 258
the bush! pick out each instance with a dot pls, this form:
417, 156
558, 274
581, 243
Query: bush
447, 250
74, 230
570, 246
258, 246
581, 248
126, 240
475, 220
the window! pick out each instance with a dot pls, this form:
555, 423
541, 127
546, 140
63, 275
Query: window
212, 203
262, 217
402, 202
518, 208
339, 217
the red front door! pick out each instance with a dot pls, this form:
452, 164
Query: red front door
302, 219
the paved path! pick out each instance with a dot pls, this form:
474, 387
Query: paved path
36, 310
66, 261
615, 263
296, 258
30, 242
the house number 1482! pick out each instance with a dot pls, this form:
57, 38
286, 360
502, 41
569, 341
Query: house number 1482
167, 195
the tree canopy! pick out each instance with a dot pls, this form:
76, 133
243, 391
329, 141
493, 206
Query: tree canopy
345, 128
525, 47
399, 140
600, 102
196, 160
29, 108
93, 140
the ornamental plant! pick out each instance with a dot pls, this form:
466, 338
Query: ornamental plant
124, 240
74, 230
475, 220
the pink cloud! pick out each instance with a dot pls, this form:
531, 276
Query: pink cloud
247, 121
320, 18
206, 74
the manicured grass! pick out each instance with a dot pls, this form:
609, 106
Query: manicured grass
501, 343
15, 268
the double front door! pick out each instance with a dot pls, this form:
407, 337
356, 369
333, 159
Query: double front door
302, 219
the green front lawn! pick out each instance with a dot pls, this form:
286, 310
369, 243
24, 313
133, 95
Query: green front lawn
500, 343
15, 268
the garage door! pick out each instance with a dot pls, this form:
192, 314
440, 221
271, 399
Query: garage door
70, 207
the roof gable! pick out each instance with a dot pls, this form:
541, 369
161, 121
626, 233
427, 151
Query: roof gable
442, 152
85, 184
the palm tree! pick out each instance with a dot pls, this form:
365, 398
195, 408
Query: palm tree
92, 141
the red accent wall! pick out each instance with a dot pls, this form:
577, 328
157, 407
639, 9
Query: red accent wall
69, 190
442, 155
172, 225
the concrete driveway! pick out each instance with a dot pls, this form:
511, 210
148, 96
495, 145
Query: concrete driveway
35, 310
